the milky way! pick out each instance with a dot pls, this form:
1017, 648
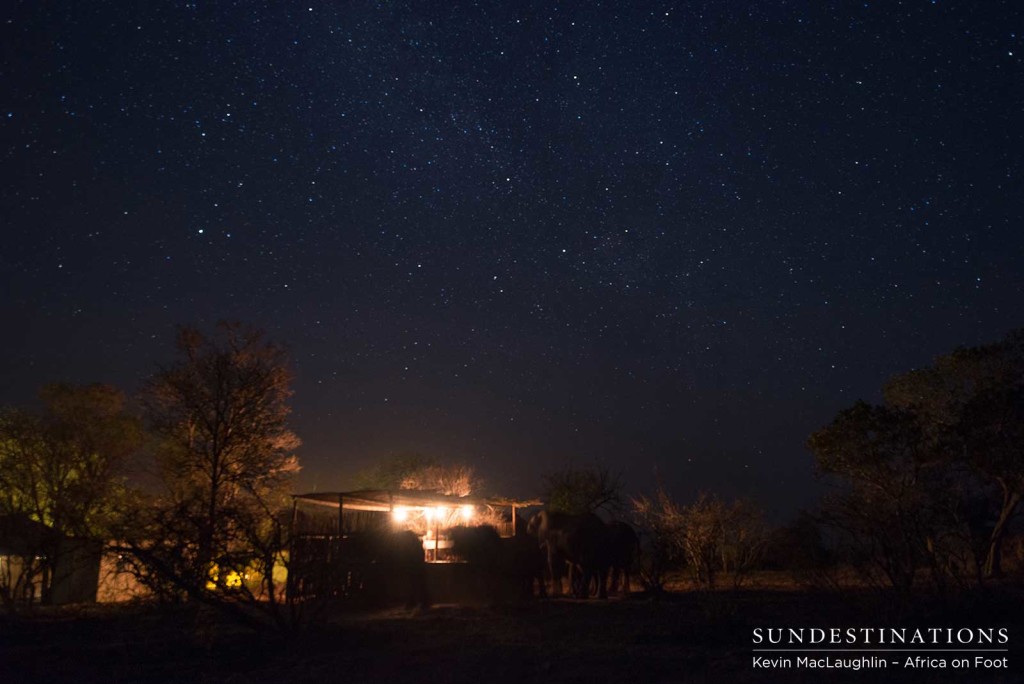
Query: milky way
672, 238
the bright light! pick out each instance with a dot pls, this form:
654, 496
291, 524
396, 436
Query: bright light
467, 512
400, 514
438, 513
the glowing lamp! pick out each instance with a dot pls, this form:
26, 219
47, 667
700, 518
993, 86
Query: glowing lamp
400, 514
467, 512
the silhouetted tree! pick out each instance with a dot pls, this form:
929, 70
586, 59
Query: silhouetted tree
936, 475
971, 406
806, 549
583, 490
659, 521
415, 471
65, 466
702, 531
225, 456
884, 507
744, 539
708, 534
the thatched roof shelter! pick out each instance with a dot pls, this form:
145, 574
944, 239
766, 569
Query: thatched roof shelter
331, 556
404, 501
386, 500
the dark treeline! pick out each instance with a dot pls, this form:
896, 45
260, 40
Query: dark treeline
188, 484
186, 489
931, 479
925, 489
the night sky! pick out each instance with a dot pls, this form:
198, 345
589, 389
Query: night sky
671, 238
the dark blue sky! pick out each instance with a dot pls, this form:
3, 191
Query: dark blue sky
674, 237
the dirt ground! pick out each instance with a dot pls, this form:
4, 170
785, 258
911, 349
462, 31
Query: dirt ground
681, 637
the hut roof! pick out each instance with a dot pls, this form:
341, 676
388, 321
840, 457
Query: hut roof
22, 536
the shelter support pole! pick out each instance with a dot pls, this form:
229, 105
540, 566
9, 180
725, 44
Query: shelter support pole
289, 585
341, 516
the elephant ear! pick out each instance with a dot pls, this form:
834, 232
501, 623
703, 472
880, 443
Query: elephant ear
534, 524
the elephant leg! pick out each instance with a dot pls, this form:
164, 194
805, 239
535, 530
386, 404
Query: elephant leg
619, 583
555, 571
580, 582
602, 579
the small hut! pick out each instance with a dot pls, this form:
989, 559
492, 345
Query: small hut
336, 540
38, 564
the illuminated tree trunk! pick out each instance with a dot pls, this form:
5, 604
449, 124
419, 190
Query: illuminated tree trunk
993, 561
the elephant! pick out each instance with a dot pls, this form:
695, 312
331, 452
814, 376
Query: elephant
623, 550
478, 545
529, 561
384, 566
577, 542
511, 565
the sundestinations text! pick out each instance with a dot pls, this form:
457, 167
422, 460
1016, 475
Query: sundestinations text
818, 636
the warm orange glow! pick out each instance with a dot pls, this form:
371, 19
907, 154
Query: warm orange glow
400, 514
232, 579
467, 512
437, 513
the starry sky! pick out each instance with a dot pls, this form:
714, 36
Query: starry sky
670, 238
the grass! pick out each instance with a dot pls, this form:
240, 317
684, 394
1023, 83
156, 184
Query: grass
683, 636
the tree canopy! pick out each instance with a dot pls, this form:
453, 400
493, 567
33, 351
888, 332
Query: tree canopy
66, 465
583, 490
226, 454
945, 450
415, 471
